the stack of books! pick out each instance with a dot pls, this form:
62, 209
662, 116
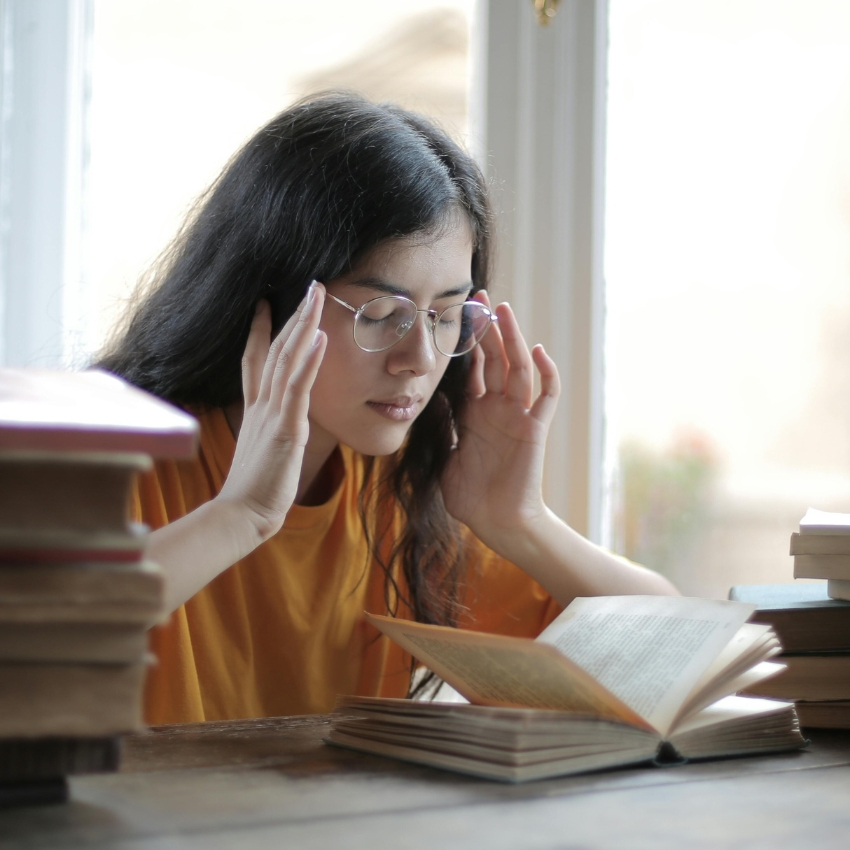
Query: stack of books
812, 621
76, 593
821, 549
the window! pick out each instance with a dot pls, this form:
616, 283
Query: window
728, 281
726, 244
161, 92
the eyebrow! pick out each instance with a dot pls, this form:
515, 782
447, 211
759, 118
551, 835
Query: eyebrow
385, 286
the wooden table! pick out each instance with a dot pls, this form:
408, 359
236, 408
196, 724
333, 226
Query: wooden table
272, 784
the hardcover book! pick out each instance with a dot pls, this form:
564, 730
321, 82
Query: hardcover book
76, 596
803, 616
821, 549
92, 411
73, 493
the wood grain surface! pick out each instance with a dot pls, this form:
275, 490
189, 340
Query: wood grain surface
272, 783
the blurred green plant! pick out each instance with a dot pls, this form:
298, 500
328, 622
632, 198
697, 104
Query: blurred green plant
665, 497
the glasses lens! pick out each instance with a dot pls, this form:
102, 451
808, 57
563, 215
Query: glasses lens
461, 328
383, 322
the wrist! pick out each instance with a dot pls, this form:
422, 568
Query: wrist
246, 528
523, 541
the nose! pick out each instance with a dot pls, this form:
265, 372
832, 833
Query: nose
415, 351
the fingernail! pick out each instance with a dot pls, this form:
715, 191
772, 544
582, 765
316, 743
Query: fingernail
311, 293
316, 338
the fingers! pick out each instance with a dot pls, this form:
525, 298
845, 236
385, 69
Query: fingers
256, 350
475, 386
519, 383
495, 367
299, 344
290, 346
508, 366
543, 408
300, 384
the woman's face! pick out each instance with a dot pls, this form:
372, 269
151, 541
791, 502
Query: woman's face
369, 400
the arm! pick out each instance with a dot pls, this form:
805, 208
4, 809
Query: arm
569, 565
263, 479
493, 482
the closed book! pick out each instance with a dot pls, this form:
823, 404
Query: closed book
103, 643
824, 714
34, 792
838, 589
32, 759
809, 677
820, 544
70, 700
803, 616
81, 593
91, 411
71, 547
67, 491
822, 566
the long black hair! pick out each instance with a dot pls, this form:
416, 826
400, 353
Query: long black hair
305, 198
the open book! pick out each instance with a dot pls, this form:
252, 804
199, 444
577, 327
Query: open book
612, 681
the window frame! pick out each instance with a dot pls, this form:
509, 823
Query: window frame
44, 48
539, 113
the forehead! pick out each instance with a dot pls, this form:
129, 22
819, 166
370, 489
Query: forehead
423, 260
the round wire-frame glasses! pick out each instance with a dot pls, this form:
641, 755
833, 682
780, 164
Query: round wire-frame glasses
384, 321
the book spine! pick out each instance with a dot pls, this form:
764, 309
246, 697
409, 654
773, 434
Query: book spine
838, 588
822, 566
820, 544
70, 700
24, 760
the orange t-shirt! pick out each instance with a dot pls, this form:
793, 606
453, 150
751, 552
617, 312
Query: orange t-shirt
282, 631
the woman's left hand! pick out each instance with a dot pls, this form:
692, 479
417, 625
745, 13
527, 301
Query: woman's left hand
493, 482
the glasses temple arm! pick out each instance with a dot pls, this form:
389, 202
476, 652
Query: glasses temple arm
340, 301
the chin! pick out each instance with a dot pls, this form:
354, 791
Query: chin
377, 442
376, 447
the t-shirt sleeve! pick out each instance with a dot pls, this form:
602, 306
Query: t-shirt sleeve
499, 597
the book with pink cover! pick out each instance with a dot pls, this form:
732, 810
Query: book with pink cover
91, 411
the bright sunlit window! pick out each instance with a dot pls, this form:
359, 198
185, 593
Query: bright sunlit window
728, 281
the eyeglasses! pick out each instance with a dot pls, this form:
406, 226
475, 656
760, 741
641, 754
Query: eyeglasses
382, 322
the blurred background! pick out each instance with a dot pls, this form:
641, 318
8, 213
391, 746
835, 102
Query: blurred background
726, 380
178, 85
727, 266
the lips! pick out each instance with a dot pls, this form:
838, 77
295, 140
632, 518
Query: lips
398, 408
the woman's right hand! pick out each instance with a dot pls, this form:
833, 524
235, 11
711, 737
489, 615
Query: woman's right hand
277, 377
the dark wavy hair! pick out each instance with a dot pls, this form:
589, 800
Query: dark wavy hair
314, 190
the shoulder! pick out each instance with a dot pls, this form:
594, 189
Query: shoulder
174, 488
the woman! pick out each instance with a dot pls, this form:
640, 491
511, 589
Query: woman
368, 442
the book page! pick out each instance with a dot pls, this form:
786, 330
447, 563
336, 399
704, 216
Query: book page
752, 644
648, 650
496, 670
